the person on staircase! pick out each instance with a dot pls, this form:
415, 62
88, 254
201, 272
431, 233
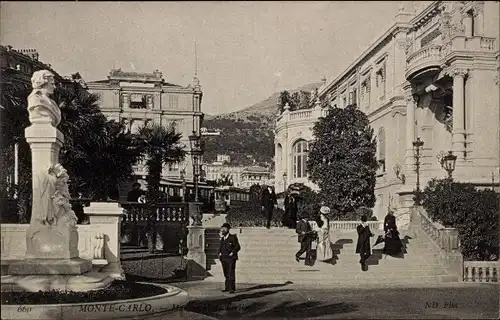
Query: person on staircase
393, 245
363, 245
228, 255
324, 248
305, 236
269, 201
291, 210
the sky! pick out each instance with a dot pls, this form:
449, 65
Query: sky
245, 50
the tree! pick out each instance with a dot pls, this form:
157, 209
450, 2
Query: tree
97, 153
342, 159
472, 211
161, 147
296, 101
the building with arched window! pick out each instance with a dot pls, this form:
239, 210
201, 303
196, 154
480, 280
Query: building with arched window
432, 75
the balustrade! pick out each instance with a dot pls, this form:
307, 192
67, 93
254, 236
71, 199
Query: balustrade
428, 56
169, 212
300, 114
481, 271
350, 225
167, 221
487, 43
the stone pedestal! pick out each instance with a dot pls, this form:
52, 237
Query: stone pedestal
196, 257
107, 217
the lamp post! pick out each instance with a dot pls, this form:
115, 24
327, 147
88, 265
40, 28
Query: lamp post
447, 162
417, 145
196, 152
183, 177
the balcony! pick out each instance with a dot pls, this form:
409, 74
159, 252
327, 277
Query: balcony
425, 59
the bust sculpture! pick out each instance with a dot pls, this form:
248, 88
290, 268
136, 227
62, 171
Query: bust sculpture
41, 108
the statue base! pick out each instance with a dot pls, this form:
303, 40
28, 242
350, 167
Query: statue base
34, 283
74, 266
51, 242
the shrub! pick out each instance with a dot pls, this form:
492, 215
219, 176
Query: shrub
472, 211
245, 216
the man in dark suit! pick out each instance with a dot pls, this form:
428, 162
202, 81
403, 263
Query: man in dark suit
269, 201
305, 238
136, 192
363, 245
228, 254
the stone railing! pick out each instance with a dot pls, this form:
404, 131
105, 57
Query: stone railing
91, 244
301, 114
171, 212
445, 240
350, 225
481, 271
168, 221
487, 44
425, 57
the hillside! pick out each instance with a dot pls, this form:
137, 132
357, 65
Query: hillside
247, 134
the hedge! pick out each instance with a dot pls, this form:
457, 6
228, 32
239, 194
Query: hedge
245, 216
472, 211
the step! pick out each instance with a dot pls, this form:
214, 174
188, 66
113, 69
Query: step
429, 280
363, 277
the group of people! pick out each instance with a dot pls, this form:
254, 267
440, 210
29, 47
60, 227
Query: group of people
320, 234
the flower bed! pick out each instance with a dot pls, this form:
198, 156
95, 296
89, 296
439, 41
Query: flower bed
118, 290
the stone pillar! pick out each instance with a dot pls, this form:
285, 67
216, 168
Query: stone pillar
458, 133
45, 141
106, 217
196, 257
410, 130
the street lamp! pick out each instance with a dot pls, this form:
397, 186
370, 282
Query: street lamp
447, 162
417, 145
196, 153
183, 177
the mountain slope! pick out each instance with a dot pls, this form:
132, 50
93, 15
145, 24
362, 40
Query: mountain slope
247, 134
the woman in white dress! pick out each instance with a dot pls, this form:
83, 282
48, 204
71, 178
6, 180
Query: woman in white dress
324, 248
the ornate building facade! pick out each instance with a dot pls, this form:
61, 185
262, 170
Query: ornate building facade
433, 75
139, 98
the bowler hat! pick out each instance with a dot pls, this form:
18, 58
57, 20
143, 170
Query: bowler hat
226, 225
325, 210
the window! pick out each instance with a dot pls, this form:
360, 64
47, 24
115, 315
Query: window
354, 97
299, 151
137, 101
380, 81
381, 150
173, 101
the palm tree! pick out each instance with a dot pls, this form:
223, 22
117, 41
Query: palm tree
13, 121
161, 147
99, 154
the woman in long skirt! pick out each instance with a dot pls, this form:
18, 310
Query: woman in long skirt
393, 244
324, 248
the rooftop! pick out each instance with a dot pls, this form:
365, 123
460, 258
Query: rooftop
155, 77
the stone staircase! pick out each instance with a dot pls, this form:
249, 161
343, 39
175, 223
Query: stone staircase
267, 256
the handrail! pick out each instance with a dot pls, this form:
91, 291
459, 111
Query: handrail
445, 238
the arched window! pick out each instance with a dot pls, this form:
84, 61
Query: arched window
299, 153
381, 149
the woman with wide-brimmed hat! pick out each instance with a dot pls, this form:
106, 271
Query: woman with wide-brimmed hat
324, 248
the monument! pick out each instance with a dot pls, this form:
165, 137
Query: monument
52, 260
